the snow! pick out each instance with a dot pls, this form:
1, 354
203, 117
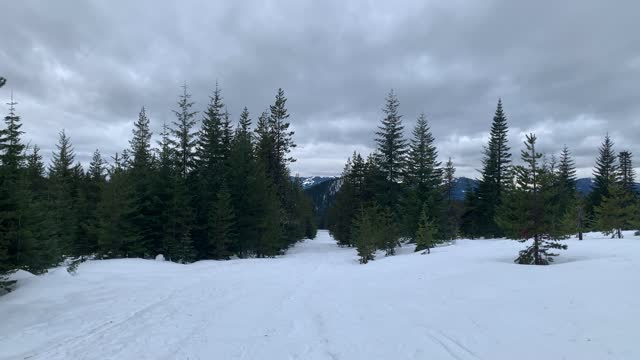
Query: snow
465, 301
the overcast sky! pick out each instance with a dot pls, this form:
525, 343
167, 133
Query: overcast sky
567, 70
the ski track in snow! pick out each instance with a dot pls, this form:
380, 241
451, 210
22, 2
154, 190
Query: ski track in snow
462, 302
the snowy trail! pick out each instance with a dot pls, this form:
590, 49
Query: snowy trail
466, 301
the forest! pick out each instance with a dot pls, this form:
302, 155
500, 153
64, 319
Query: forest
224, 189
214, 192
401, 192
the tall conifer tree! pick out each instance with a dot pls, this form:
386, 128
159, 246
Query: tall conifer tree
496, 174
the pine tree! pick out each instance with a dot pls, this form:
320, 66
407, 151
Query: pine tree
604, 173
62, 211
211, 166
617, 211
451, 228
268, 214
349, 201
626, 174
144, 200
184, 138
523, 215
36, 253
570, 210
181, 217
495, 174
95, 182
11, 196
423, 178
279, 128
222, 223
471, 218
241, 180
391, 153
425, 235
365, 234
116, 237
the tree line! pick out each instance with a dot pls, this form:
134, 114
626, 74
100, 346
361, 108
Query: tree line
402, 192
212, 192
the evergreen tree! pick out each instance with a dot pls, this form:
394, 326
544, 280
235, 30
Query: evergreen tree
144, 200
349, 201
452, 217
62, 211
423, 178
184, 138
626, 174
391, 153
268, 214
281, 135
242, 179
36, 253
495, 175
178, 242
11, 196
222, 223
211, 166
471, 218
523, 215
365, 234
95, 182
425, 235
617, 211
604, 173
181, 216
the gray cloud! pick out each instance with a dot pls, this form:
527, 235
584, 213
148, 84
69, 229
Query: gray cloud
567, 70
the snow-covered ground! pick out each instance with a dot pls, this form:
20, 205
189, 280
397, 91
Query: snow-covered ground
467, 301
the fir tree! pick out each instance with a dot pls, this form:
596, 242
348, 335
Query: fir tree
145, 206
425, 235
211, 167
279, 128
241, 180
391, 152
62, 210
365, 234
37, 255
617, 211
116, 237
495, 174
570, 210
626, 174
11, 195
268, 214
604, 173
471, 218
423, 177
349, 201
95, 182
451, 228
524, 215
184, 138
222, 221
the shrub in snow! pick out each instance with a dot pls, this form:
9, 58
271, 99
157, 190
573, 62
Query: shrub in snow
160, 257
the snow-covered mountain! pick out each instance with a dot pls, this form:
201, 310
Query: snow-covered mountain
310, 181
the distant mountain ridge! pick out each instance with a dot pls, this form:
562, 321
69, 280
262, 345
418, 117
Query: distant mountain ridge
323, 189
310, 181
